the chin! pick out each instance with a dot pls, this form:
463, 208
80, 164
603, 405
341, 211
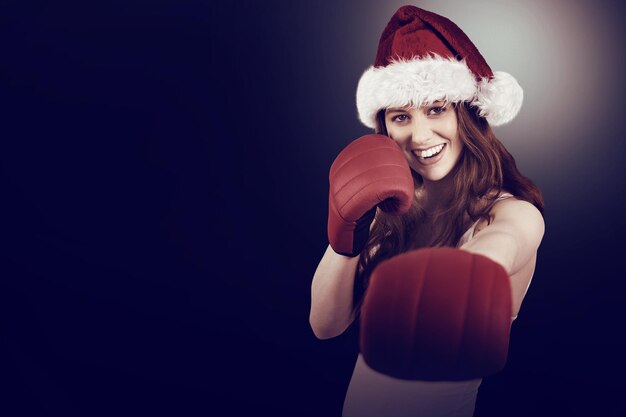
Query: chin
433, 176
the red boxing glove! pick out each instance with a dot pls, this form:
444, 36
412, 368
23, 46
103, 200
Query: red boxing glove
437, 314
370, 171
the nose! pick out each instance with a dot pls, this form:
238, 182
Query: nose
421, 132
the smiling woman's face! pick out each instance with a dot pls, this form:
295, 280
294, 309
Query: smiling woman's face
428, 136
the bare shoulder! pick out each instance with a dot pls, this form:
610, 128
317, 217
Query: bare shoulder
518, 217
520, 211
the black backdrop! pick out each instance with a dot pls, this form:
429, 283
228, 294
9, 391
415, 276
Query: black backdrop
164, 181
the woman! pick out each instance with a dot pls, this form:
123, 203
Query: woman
442, 181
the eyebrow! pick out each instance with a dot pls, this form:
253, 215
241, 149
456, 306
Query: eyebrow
401, 109
396, 109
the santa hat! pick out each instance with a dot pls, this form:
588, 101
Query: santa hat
423, 57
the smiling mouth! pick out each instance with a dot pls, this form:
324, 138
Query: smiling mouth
430, 152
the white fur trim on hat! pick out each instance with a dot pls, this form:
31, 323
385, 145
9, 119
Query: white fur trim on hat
425, 80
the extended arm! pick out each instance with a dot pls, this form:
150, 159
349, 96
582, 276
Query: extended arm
512, 238
445, 313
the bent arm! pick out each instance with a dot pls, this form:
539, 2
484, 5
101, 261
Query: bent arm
331, 295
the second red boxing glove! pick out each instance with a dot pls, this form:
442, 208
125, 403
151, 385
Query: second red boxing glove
437, 314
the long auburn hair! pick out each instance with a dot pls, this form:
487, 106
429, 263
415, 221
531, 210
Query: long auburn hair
483, 170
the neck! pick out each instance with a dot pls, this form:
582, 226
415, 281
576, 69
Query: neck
436, 194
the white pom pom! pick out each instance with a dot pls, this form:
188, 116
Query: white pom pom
499, 99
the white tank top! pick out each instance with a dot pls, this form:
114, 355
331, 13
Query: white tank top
372, 394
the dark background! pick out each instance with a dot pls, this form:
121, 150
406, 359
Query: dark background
164, 197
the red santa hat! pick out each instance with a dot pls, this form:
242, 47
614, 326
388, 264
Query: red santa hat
423, 57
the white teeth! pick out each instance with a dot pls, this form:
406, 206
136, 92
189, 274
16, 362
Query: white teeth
429, 152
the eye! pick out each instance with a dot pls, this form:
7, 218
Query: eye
437, 110
400, 118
